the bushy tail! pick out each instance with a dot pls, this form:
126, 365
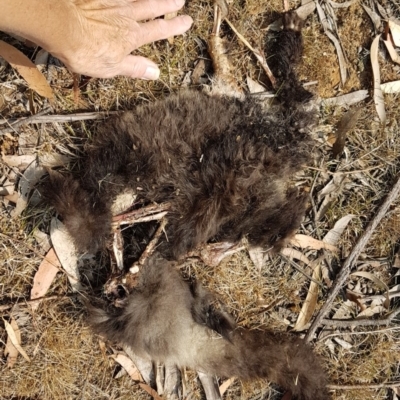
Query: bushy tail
281, 358
87, 221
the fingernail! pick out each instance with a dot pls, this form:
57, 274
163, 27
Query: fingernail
179, 3
151, 74
187, 20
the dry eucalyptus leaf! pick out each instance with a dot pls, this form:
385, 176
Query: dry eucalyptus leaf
254, 86
128, 366
307, 310
21, 162
392, 51
391, 87
42, 239
27, 182
225, 385
65, 251
377, 282
371, 311
333, 236
346, 100
35, 79
44, 277
375, 18
343, 343
345, 125
305, 241
294, 254
378, 95
258, 256
150, 391
10, 350
395, 31
14, 339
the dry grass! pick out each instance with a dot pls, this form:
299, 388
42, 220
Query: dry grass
67, 362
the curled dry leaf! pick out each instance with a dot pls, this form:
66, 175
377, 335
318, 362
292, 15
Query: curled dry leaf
44, 277
26, 184
14, 339
28, 70
294, 254
65, 251
305, 241
333, 236
378, 95
345, 125
307, 310
377, 282
10, 350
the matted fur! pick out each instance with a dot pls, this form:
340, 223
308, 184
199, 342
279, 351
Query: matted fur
223, 164
162, 321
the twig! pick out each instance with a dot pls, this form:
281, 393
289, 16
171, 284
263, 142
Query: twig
150, 247
6, 307
367, 386
43, 119
258, 55
144, 214
347, 265
351, 323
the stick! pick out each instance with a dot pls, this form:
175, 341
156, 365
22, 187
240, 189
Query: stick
25, 303
346, 268
39, 118
342, 323
358, 387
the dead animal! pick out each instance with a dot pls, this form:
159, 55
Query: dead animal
222, 164
167, 321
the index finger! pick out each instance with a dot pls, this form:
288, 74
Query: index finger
149, 9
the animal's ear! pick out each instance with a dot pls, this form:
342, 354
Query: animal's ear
208, 311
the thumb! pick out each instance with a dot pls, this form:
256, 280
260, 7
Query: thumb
138, 67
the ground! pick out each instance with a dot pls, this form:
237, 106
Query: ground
67, 360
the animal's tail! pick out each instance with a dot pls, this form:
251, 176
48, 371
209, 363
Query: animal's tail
87, 220
174, 323
281, 358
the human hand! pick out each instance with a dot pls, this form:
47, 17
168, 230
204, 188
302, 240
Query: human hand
104, 32
95, 37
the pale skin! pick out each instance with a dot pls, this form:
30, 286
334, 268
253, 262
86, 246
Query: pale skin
95, 37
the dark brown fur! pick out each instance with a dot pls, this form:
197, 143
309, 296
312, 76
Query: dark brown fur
224, 164
165, 321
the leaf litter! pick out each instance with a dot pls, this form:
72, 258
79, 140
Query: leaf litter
233, 280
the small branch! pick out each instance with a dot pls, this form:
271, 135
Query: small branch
144, 214
150, 247
40, 118
351, 323
359, 387
347, 265
258, 55
25, 303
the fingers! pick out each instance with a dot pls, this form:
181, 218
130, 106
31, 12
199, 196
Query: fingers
160, 29
138, 67
149, 9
